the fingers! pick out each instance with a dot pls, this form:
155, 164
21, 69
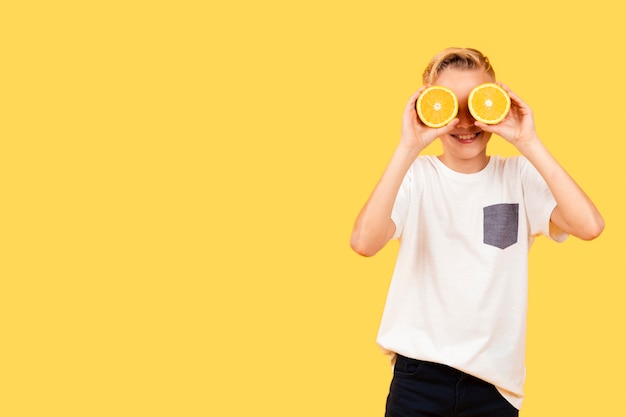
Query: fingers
410, 105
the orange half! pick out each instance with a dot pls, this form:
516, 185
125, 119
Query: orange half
437, 106
489, 103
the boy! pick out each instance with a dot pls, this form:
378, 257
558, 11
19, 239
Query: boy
455, 318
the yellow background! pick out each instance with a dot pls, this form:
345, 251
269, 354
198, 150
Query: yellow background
179, 181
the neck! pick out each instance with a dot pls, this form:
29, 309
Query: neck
465, 166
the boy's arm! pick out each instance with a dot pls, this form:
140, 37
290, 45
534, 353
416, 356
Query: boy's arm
373, 227
574, 213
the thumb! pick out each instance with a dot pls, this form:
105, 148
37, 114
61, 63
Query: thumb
448, 128
487, 128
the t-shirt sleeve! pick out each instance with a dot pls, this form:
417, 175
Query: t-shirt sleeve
539, 203
401, 205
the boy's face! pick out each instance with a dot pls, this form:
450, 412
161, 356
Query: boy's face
465, 148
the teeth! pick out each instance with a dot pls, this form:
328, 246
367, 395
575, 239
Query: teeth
467, 137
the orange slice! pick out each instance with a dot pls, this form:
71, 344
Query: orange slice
489, 103
437, 106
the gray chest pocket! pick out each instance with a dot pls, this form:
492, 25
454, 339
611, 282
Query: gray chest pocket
500, 223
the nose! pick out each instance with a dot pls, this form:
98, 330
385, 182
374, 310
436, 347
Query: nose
465, 117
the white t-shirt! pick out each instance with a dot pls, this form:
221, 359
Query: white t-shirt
458, 295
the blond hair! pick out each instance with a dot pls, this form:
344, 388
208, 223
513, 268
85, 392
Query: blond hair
459, 58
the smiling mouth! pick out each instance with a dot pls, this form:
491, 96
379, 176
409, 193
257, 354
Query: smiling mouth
466, 137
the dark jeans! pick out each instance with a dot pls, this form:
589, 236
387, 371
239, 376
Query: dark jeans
427, 389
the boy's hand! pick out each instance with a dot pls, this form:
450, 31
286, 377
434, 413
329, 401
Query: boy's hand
415, 134
518, 127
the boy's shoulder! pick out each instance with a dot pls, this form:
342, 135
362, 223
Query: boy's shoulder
516, 162
514, 159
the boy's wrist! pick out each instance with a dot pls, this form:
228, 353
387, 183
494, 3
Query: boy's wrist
532, 148
528, 144
410, 153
